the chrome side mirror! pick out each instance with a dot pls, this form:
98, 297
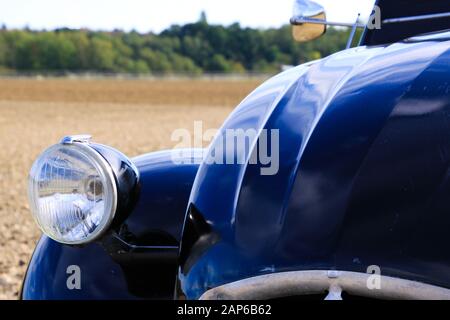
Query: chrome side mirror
308, 21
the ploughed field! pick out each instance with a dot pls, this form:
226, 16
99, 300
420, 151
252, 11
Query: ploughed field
134, 116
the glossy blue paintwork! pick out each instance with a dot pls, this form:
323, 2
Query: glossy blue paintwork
156, 221
364, 154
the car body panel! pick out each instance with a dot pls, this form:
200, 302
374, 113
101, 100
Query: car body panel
341, 121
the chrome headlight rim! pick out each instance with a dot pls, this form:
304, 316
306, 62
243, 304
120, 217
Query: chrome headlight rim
102, 167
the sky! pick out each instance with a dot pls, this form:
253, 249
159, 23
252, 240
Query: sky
156, 15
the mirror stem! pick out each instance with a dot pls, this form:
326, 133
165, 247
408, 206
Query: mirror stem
352, 34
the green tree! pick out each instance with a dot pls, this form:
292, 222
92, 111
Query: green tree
81, 43
102, 54
141, 67
181, 64
192, 48
156, 61
218, 63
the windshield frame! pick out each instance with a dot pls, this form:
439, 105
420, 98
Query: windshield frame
391, 33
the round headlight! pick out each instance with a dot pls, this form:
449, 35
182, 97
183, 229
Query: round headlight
72, 192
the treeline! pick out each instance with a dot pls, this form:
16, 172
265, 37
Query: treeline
193, 48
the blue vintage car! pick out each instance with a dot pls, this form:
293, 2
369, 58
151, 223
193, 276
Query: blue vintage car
350, 198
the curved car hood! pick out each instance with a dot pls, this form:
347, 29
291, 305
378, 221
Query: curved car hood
330, 114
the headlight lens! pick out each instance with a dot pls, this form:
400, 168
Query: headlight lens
73, 193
